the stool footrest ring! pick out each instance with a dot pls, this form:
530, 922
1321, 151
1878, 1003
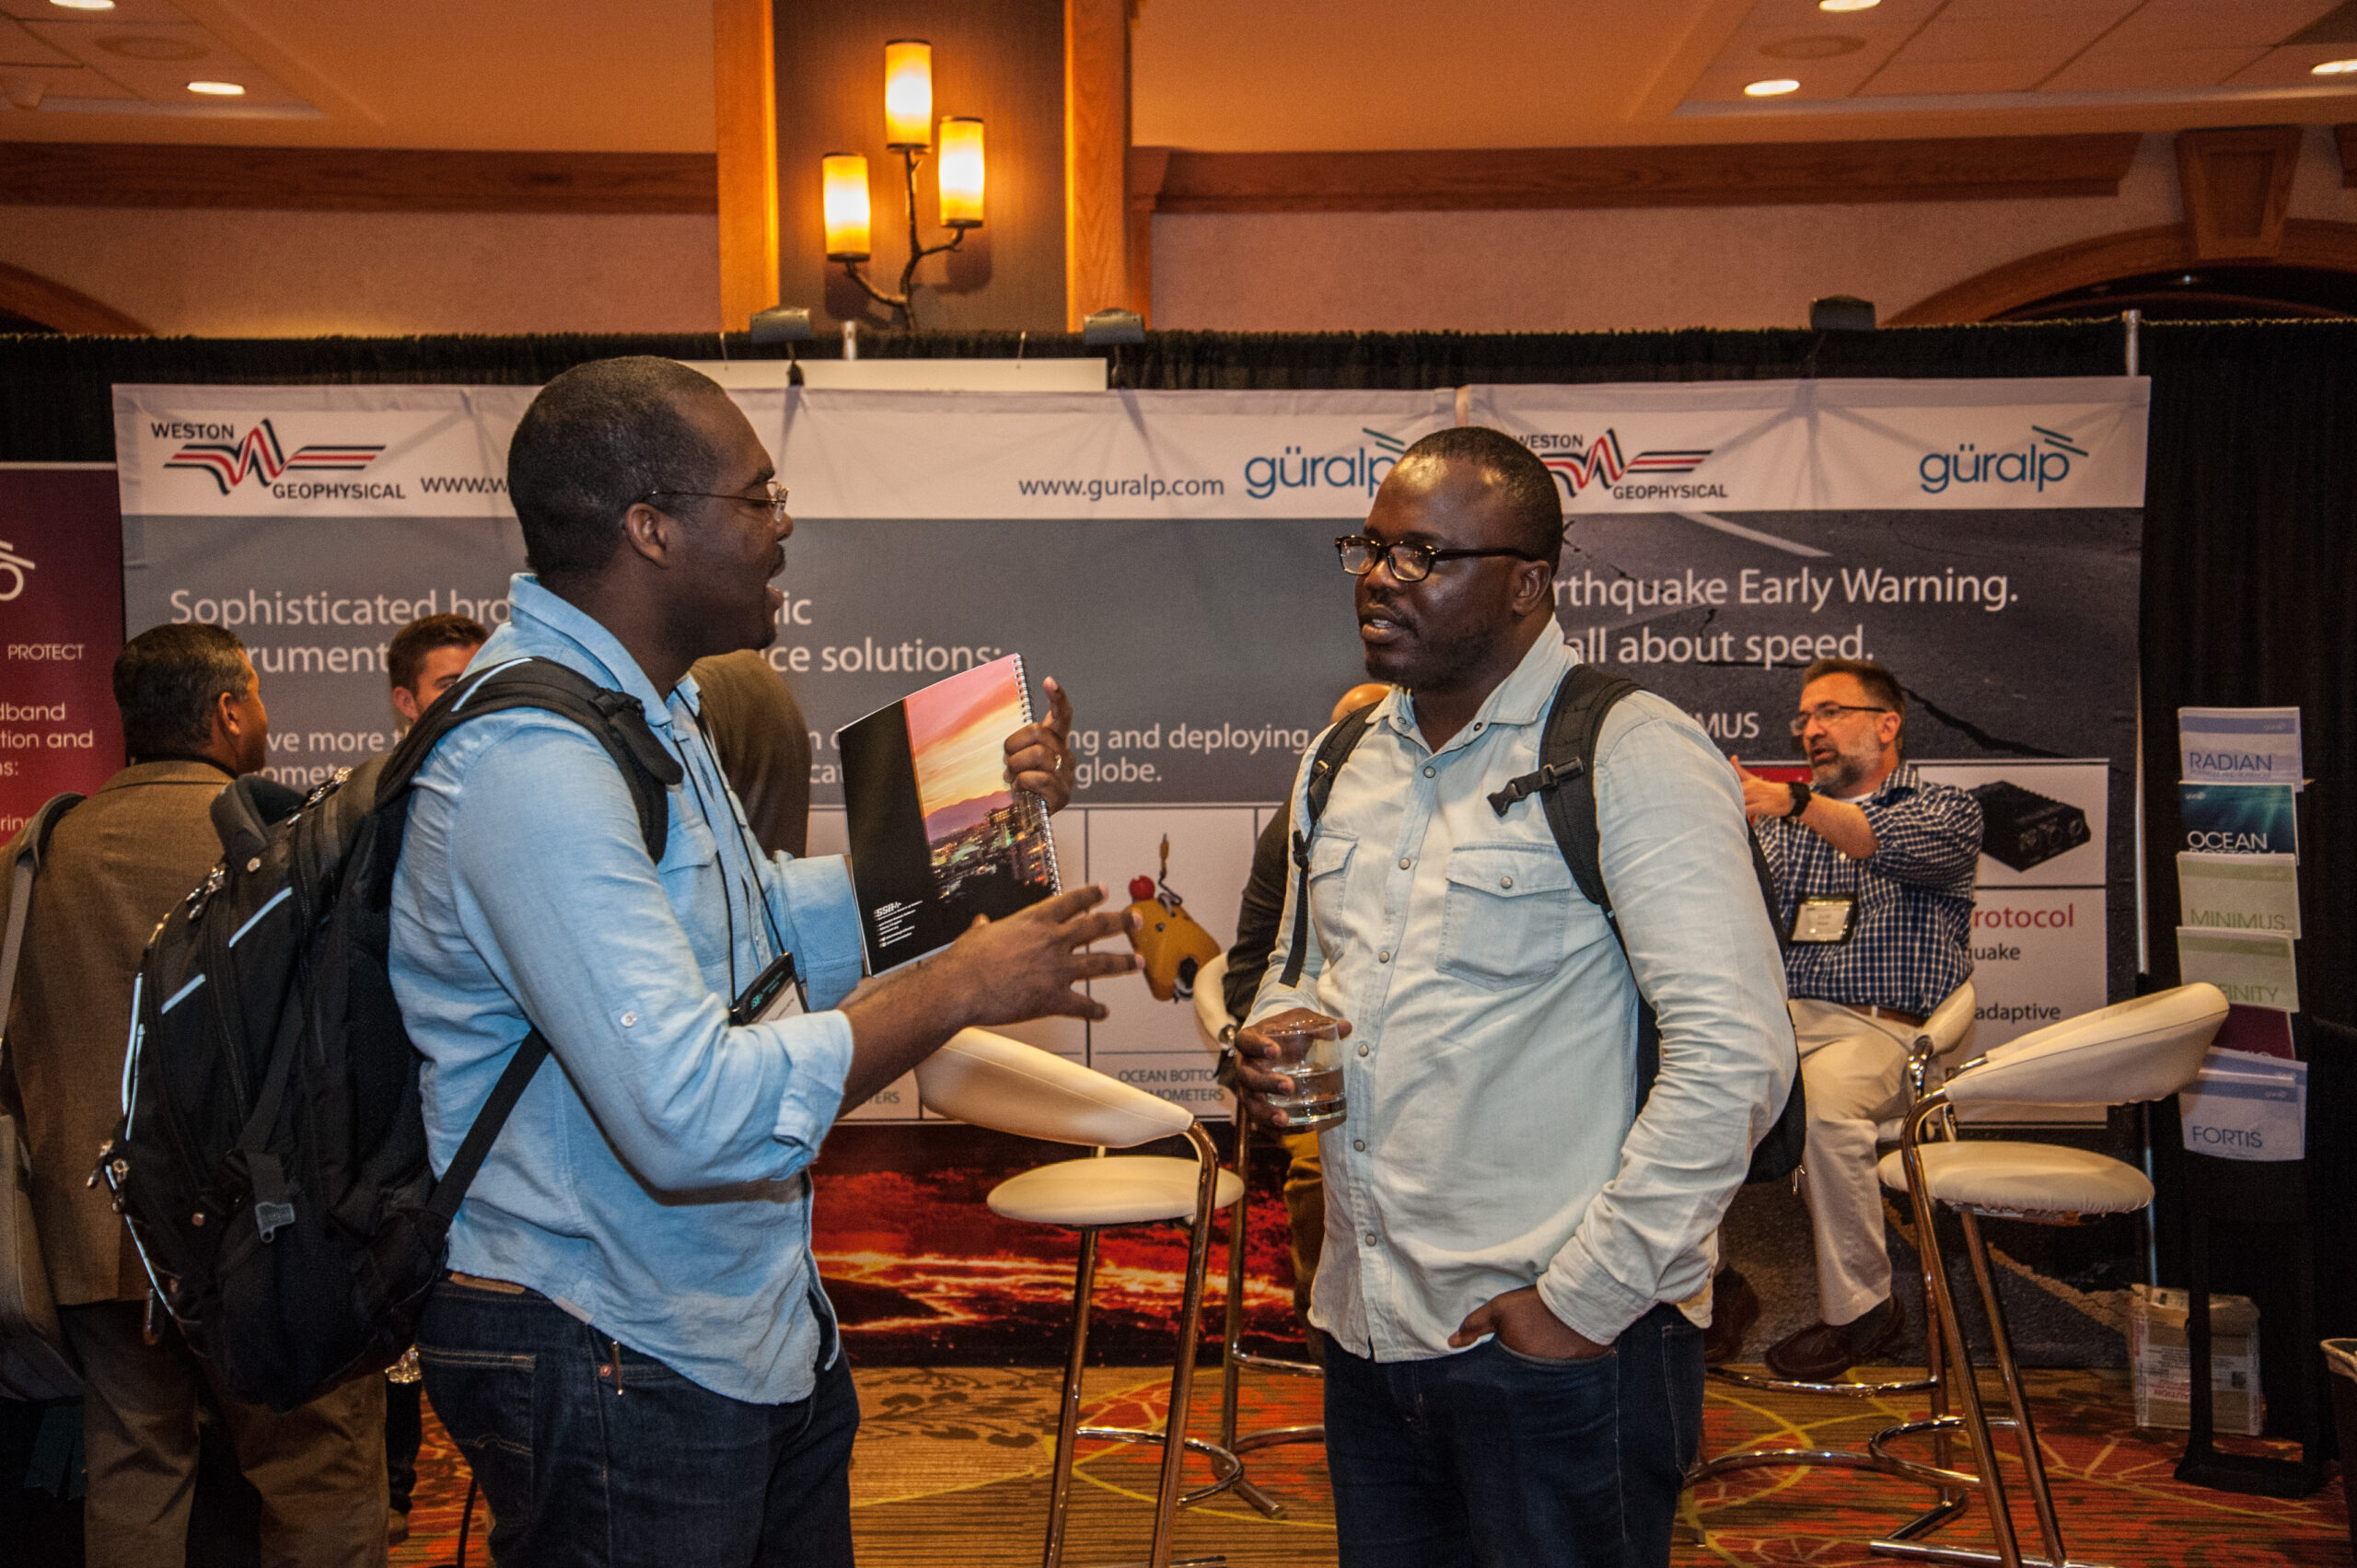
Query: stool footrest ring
1227, 1469
1919, 1552
1272, 1436
1854, 1390
1278, 1364
1837, 1458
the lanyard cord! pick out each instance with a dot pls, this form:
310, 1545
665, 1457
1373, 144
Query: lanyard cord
753, 853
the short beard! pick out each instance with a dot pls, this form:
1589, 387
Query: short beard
1841, 776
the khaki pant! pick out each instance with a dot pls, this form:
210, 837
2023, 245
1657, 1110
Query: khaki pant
320, 1468
1854, 1068
1306, 1212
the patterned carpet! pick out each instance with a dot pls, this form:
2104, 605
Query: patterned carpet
952, 1467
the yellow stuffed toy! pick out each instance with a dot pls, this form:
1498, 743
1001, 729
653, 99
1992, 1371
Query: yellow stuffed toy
1172, 947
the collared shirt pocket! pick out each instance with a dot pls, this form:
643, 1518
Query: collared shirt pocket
1506, 914
1330, 881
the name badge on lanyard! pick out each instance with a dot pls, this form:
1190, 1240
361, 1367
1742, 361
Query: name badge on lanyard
1826, 920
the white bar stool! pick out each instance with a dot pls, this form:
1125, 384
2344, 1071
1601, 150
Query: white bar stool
990, 1081
1949, 1026
1213, 1023
2142, 1050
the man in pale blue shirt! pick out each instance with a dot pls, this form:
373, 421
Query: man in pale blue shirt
1516, 1259
632, 1346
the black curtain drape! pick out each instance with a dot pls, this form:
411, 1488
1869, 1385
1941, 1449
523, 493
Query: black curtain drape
55, 399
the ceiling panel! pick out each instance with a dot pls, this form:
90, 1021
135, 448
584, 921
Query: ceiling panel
1911, 78
157, 60
19, 47
2052, 40
66, 81
2206, 24
2103, 70
2290, 66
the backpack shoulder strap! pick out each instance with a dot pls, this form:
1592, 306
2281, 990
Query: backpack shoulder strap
1332, 753
32, 844
614, 719
1566, 775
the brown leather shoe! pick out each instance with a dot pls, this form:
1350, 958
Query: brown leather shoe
1735, 1308
1820, 1354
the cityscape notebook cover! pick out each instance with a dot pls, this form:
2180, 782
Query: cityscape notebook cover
937, 834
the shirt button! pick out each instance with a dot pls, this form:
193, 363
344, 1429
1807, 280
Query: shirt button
1359, 1144
1404, 863
1383, 956
1370, 1238
1506, 881
1428, 772
1364, 1050
630, 1020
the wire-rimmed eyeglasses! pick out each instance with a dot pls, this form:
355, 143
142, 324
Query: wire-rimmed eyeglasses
1410, 561
774, 502
1825, 713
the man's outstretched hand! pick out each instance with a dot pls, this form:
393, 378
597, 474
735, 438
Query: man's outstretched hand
1038, 758
1026, 965
1521, 1321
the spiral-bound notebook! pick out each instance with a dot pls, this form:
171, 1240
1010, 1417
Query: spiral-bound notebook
937, 834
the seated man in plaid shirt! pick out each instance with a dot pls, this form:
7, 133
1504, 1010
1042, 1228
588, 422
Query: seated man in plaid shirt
1874, 876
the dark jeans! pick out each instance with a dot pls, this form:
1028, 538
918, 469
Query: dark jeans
661, 1471
1490, 1458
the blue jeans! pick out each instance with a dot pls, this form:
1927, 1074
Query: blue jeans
1490, 1458
656, 1470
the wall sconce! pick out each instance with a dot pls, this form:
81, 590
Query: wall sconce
907, 131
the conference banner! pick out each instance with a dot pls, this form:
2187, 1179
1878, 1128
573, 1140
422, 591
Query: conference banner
1168, 557
61, 626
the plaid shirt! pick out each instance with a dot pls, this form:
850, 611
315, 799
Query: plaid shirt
1910, 944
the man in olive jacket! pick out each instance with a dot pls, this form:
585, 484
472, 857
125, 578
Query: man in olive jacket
117, 864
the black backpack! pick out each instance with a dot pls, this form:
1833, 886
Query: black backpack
1566, 784
271, 1155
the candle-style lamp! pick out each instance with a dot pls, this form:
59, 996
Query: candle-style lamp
909, 130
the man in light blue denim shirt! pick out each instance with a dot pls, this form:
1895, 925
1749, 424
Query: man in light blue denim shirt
632, 1347
1515, 1258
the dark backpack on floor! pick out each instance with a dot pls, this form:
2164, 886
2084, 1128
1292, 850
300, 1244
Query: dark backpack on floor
271, 1155
1566, 783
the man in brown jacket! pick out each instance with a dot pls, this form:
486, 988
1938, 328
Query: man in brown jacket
193, 720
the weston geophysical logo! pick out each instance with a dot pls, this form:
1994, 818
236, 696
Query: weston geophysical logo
1579, 461
229, 459
2042, 460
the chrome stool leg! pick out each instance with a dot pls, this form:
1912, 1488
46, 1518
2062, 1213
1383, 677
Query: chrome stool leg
1226, 1469
1235, 1358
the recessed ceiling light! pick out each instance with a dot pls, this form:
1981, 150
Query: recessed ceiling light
1774, 86
1847, 5
2334, 68
83, 4
218, 89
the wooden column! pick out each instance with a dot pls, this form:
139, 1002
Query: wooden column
744, 110
1148, 166
2237, 187
1096, 153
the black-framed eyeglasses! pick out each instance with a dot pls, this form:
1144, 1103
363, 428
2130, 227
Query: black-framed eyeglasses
1825, 713
774, 502
1410, 561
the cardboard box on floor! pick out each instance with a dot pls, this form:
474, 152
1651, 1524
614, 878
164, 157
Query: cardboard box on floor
2162, 1364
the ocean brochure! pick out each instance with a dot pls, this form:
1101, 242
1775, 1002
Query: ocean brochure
937, 834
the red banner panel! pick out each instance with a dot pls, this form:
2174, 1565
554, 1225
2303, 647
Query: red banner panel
61, 627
